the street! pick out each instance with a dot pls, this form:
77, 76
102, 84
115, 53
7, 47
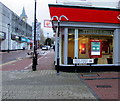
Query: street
18, 60
20, 82
15, 55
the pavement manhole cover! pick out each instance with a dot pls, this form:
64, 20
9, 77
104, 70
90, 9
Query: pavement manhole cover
103, 86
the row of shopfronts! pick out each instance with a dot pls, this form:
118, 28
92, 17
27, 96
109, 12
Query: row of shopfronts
91, 35
14, 42
21, 42
15, 33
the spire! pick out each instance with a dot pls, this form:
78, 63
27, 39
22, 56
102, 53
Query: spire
23, 15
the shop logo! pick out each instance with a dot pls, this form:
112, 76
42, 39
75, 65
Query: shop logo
47, 23
118, 17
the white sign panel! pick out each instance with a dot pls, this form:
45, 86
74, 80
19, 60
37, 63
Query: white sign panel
83, 61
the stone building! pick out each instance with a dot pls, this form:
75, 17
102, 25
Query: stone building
15, 32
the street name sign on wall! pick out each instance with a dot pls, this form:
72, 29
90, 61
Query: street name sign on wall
82, 61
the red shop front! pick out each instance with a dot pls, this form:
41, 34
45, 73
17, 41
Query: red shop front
88, 33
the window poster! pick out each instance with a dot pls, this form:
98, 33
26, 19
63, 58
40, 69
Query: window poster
96, 49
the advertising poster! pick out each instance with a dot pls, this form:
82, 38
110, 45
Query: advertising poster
96, 48
83, 48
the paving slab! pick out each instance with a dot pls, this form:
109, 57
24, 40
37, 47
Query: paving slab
43, 84
105, 84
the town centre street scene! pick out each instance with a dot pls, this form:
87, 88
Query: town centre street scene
59, 50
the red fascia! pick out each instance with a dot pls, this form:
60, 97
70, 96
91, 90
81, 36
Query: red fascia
86, 15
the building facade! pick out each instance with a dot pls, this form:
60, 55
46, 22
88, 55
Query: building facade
91, 33
15, 33
38, 28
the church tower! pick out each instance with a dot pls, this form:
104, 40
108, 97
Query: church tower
23, 16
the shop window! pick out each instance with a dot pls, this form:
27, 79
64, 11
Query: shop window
84, 45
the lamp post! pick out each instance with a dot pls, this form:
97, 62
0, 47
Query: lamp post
8, 36
35, 47
58, 33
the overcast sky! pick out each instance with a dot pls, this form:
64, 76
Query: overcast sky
42, 7
42, 10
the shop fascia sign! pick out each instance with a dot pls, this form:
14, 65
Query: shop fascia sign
15, 37
92, 31
28, 40
23, 39
118, 17
2, 35
48, 23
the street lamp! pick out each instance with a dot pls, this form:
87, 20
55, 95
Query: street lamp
35, 47
58, 33
8, 36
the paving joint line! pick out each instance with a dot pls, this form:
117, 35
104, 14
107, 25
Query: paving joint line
101, 78
90, 89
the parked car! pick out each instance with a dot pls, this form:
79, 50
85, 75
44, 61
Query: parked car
45, 47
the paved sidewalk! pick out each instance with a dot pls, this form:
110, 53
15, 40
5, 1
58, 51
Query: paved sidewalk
105, 85
43, 83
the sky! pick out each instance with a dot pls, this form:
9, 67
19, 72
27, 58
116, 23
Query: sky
42, 11
42, 8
